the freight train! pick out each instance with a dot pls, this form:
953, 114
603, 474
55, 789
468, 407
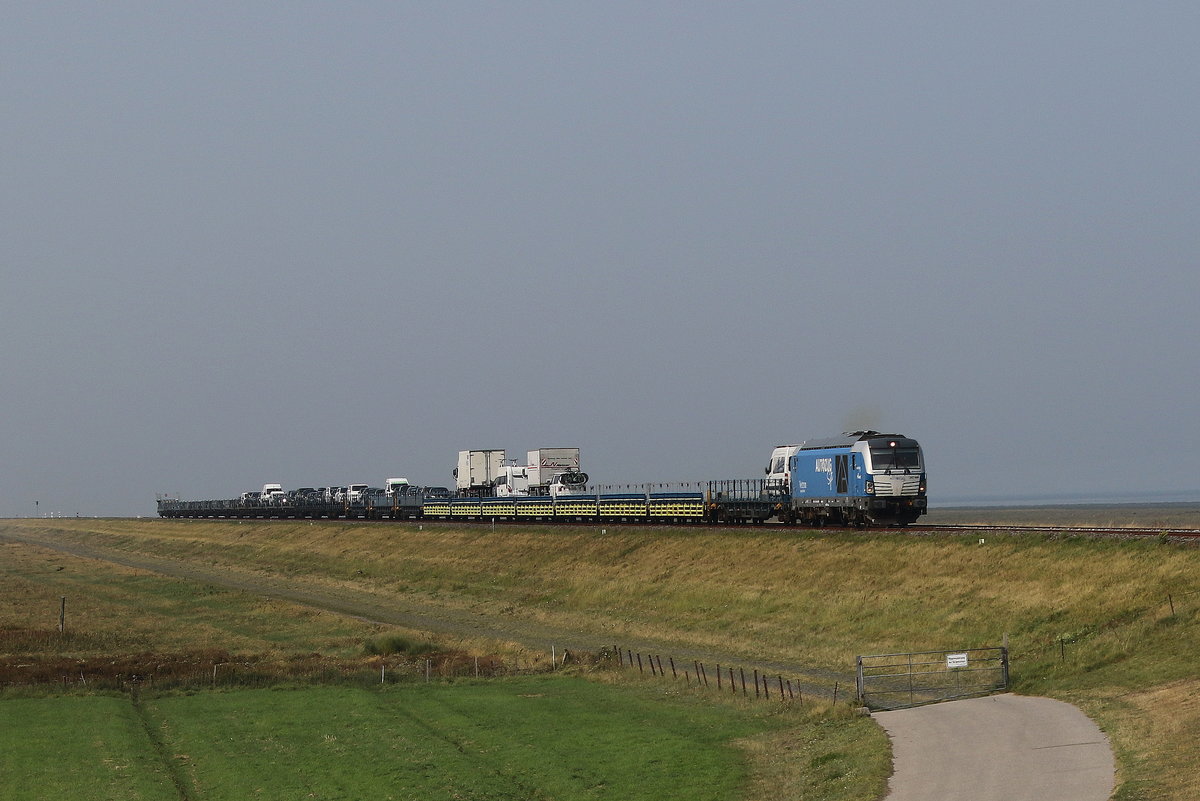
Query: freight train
860, 478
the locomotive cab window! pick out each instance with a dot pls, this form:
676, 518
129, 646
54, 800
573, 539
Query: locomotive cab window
895, 454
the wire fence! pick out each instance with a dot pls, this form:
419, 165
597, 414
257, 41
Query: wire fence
731, 679
189, 672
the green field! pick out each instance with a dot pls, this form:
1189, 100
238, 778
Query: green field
527, 738
78, 747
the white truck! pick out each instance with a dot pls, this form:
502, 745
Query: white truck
272, 495
477, 471
548, 471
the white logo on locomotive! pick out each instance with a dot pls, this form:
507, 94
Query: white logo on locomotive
825, 465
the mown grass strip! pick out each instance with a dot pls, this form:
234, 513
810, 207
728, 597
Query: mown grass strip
90, 748
523, 738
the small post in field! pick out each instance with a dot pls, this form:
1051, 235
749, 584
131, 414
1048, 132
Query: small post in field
1170, 600
674, 675
757, 694
62, 615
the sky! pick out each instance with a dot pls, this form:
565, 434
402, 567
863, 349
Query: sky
326, 243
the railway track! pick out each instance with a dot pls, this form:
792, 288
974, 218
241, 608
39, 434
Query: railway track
1099, 531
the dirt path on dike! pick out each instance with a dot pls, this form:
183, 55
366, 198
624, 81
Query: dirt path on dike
419, 615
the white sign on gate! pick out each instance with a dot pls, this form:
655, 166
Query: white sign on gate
956, 661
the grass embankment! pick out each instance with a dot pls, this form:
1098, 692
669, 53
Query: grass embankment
527, 737
1087, 621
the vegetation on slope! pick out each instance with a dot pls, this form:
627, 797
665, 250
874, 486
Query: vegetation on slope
1086, 620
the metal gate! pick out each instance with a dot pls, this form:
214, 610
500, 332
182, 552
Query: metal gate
896, 681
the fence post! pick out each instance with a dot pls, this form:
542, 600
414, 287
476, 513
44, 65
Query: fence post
835, 689
743, 672
718, 678
640, 671
674, 675
756, 692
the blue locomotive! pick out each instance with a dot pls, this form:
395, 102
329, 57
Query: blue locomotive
859, 478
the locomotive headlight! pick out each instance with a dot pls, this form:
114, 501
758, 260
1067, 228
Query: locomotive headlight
870, 487
921, 488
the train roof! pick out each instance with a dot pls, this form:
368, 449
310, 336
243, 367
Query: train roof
846, 439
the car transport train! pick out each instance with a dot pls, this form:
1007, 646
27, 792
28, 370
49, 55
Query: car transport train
860, 478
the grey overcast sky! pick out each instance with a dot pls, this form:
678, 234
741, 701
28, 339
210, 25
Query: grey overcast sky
318, 243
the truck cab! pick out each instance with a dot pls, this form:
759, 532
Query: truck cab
273, 494
567, 484
779, 470
513, 480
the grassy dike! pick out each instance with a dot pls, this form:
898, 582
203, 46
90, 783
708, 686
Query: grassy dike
339, 733
1087, 621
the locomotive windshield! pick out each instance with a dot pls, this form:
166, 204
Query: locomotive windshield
895, 454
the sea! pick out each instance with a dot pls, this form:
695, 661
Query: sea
1111, 499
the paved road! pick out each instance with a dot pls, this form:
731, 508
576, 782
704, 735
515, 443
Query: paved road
999, 748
